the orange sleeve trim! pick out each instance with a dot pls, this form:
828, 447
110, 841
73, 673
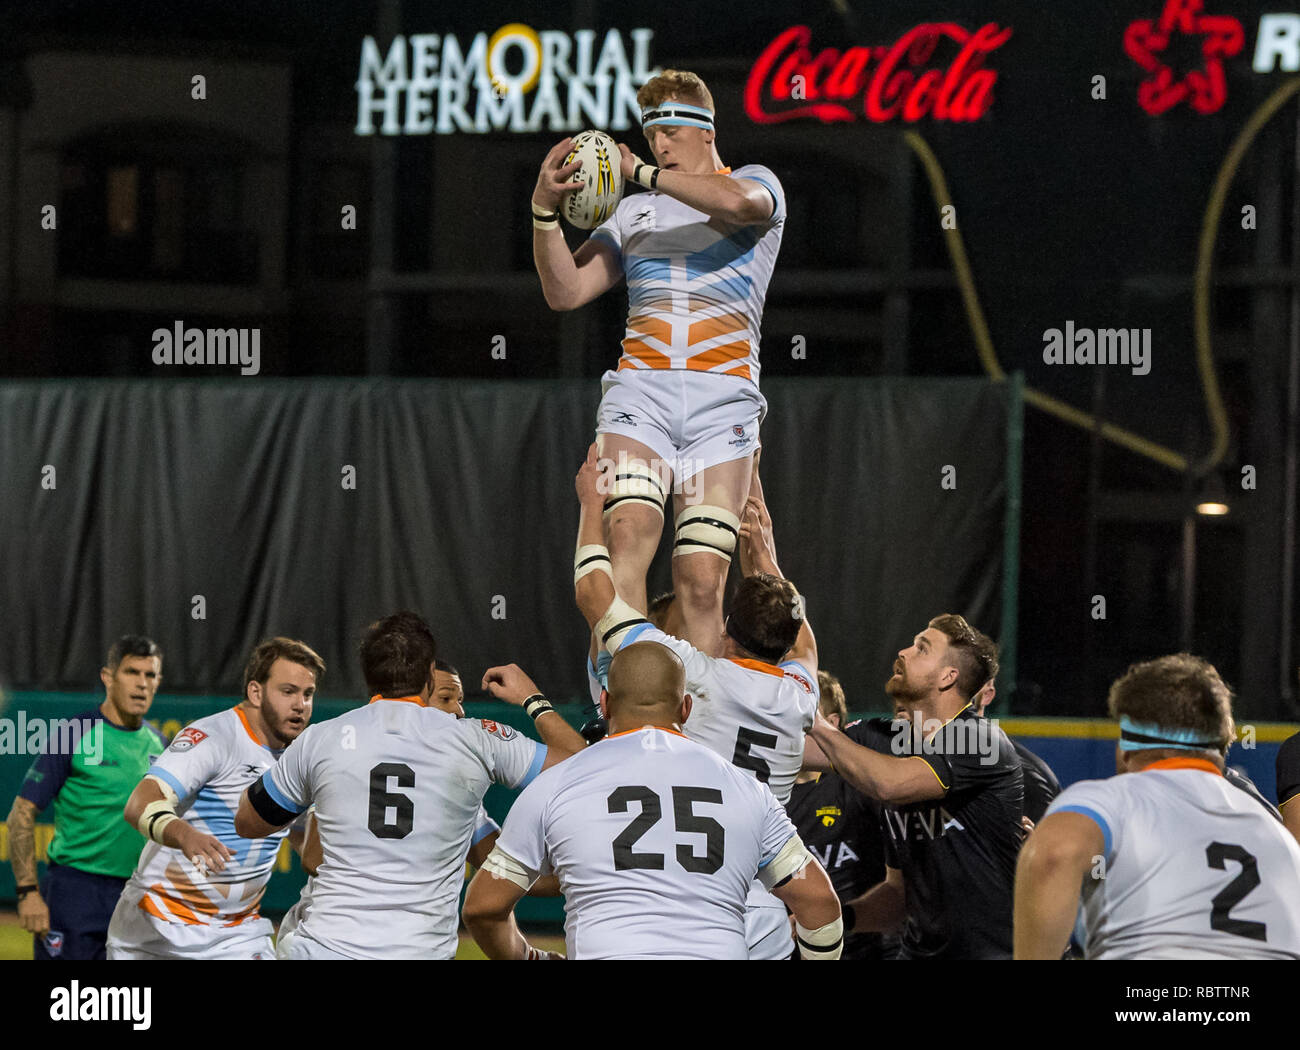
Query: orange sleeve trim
931, 769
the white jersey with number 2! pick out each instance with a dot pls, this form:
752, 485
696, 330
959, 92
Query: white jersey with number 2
1194, 868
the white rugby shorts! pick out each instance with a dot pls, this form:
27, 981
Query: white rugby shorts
690, 420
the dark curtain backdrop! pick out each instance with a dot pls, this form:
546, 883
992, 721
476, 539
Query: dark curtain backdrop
463, 507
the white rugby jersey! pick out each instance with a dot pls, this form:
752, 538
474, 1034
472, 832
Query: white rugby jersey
397, 789
751, 713
209, 764
695, 285
1195, 868
655, 840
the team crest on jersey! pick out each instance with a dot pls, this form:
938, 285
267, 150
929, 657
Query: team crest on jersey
54, 943
738, 430
827, 815
504, 732
807, 686
187, 738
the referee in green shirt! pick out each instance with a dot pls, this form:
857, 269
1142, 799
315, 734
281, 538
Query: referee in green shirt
88, 774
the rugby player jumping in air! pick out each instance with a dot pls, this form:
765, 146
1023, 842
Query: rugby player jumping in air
682, 408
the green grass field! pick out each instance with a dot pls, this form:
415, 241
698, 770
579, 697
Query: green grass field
16, 943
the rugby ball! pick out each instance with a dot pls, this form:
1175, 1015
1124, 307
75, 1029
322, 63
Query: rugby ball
600, 177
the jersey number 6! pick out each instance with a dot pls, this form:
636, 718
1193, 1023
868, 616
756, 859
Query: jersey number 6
382, 800
685, 819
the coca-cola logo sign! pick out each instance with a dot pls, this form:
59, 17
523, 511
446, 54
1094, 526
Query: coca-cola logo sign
934, 70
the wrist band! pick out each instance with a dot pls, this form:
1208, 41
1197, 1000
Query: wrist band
543, 219
646, 175
22, 891
536, 706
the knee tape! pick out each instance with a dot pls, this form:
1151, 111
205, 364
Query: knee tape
705, 528
636, 483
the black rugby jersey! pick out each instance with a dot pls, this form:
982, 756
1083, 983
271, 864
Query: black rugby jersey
957, 853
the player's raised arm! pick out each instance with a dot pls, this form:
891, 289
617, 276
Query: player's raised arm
892, 779
511, 684
739, 201
152, 810
569, 279
759, 555
1050, 871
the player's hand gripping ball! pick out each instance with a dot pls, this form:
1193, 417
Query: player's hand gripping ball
601, 176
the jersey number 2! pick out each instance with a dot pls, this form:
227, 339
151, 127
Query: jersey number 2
382, 800
685, 819
1216, 854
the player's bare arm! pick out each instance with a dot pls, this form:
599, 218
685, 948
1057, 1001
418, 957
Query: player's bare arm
798, 881
154, 806
892, 779
33, 913
1290, 811
307, 844
569, 279
511, 684
545, 886
881, 909
738, 201
759, 555
489, 915
1050, 872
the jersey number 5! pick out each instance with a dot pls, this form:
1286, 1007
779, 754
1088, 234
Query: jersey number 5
685, 819
1216, 854
742, 759
382, 800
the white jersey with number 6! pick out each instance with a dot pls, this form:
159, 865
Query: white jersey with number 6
655, 840
397, 789
1194, 868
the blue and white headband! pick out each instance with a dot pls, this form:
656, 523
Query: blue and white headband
1146, 736
671, 112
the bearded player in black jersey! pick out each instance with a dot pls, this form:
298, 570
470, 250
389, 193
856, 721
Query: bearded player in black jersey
841, 826
953, 793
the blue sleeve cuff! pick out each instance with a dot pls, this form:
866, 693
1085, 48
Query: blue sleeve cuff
1093, 815
539, 760
776, 200
634, 634
278, 796
169, 780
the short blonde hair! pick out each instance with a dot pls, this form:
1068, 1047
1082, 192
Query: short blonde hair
675, 84
832, 700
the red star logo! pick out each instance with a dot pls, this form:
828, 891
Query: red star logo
1205, 88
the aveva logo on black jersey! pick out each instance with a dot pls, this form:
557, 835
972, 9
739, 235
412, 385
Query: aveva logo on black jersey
917, 826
